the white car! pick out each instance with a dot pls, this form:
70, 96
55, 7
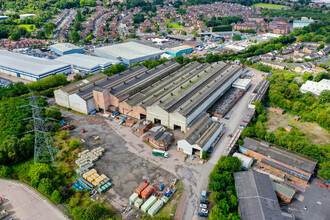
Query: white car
205, 211
203, 206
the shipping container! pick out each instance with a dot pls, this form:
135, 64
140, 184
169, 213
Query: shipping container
147, 192
133, 197
155, 207
138, 203
141, 188
146, 206
165, 199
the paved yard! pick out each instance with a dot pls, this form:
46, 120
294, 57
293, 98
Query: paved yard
24, 203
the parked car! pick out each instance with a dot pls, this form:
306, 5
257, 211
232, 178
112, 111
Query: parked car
203, 201
204, 206
245, 121
201, 214
227, 117
205, 211
242, 126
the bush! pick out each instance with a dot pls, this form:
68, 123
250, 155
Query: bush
63, 135
74, 143
56, 197
45, 186
53, 113
95, 212
5, 172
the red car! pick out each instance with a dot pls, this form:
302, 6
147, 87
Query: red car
245, 121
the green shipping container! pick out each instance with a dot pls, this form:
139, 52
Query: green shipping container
165, 199
155, 208
133, 197
138, 203
146, 206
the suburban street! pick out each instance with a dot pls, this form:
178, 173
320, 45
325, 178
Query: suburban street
22, 202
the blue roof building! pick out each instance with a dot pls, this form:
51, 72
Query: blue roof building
65, 49
178, 51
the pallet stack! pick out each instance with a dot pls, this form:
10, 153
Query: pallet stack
87, 158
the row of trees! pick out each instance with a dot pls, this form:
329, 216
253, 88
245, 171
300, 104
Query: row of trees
222, 185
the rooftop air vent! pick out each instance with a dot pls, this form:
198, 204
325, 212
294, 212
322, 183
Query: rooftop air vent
171, 93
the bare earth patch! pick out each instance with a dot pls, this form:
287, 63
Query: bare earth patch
313, 131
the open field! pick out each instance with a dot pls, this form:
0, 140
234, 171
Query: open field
28, 27
175, 25
313, 131
269, 6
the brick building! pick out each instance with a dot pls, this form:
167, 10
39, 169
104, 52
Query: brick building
286, 163
161, 140
276, 110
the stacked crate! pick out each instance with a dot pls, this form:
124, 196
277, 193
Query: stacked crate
87, 158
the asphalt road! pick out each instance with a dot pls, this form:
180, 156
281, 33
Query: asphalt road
22, 202
237, 114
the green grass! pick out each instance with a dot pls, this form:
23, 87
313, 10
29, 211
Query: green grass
28, 27
175, 25
269, 6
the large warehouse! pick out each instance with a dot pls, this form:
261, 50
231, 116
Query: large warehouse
65, 48
167, 94
129, 52
87, 64
111, 92
194, 93
30, 68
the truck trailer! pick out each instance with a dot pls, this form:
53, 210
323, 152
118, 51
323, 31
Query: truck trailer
160, 153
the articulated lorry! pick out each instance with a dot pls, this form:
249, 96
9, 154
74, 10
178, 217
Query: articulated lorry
160, 153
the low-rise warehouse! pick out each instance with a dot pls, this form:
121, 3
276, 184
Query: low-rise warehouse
201, 136
315, 87
279, 160
65, 49
129, 52
3, 18
30, 68
179, 51
87, 64
257, 198
242, 83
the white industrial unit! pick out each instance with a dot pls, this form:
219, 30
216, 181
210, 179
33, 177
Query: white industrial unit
30, 68
315, 87
246, 161
129, 52
87, 64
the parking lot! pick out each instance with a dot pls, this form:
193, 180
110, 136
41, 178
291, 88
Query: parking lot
316, 199
22, 202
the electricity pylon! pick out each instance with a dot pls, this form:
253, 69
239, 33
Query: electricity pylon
45, 148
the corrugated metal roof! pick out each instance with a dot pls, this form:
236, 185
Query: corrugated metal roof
85, 61
256, 196
283, 189
63, 47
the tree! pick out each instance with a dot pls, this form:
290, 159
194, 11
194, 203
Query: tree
324, 96
38, 171
74, 143
237, 37
15, 36
95, 212
324, 172
56, 197
53, 113
75, 37
45, 186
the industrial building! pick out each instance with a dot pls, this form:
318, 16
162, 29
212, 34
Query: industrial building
245, 160
283, 191
200, 137
3, 18
286, 163
167, 94
30, 68
101, 92
183, 99
179, 51
315, 87
65, 48
258, 93
303, 22
242, 83
26, 16
257, 198
129, 53
85, 64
